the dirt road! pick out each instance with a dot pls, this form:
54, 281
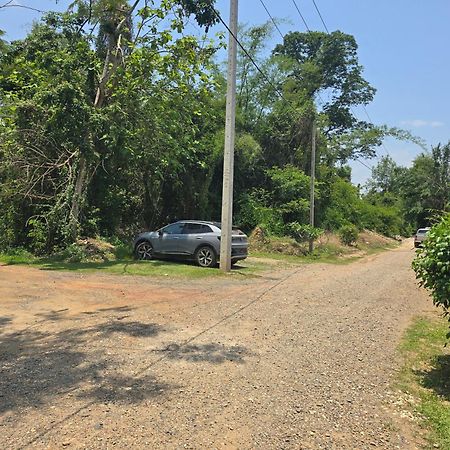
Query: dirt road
300, 358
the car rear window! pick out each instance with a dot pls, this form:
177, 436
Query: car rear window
235, 229
422, 231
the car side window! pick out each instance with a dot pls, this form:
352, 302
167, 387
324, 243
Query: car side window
196, 228
206, 229
174, 228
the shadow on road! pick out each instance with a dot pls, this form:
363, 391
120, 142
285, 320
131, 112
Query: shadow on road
4, 321
38, 366
213, 353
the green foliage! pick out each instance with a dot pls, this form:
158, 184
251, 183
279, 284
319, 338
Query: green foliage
254, 210
343, 204
348, 234
328, 62
386, 220
111, 121
147, 138
302, 232
422, 348
285, 202
38, 235
419, 192
74, 253
432, 264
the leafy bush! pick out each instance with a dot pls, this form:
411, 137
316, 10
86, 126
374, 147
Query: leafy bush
73, 253
17, 255
387, 220
7, 227
301, 232
432, 265
343, 204
254, 211
123, 251
38, 235
348, 234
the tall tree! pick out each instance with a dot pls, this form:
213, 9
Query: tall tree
66, 102
115, 44
328, 64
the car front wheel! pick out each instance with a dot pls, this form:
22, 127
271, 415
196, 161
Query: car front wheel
205, 257
144, 251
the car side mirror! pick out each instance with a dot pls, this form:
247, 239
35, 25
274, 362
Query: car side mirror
160, 232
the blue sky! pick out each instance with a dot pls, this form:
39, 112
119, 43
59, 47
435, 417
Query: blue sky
403, 46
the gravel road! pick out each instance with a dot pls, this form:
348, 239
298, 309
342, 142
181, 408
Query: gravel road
295, 359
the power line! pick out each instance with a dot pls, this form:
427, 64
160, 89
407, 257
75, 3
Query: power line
364, 106
320, 15
265, 77
301, 15
248, 55
320, 100
371, 121
364, 164
272, 19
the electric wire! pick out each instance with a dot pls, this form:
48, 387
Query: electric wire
272, 19
364, 164
364, 106
320, 15
265, 77
301, 15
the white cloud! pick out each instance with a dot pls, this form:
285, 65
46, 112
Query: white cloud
418, 123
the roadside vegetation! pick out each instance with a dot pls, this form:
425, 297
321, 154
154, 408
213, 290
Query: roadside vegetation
425, 378
426, 375
432, 265
112, 122
89, 255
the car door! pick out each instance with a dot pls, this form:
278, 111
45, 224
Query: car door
170, 238
196, 234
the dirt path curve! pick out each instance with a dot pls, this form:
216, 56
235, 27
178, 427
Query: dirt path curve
297, 359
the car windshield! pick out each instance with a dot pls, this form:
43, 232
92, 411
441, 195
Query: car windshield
422, 231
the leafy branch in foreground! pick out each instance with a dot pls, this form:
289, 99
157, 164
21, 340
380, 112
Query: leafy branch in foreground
432, 265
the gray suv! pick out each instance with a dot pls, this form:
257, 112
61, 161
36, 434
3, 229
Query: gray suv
190, 239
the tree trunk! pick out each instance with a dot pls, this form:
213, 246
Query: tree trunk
114, 53
78, 197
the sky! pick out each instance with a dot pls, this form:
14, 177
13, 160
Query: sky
403, 47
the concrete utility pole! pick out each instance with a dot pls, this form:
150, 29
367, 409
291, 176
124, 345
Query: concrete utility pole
228, 157
313, 177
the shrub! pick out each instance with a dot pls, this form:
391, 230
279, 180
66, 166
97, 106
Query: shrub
432, 265
38, 235
387, 220
255, 212
74, 253
302, 233
348, 234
